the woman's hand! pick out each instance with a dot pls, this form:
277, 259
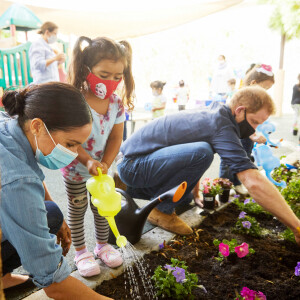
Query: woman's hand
60, 58
64, 238
93, 164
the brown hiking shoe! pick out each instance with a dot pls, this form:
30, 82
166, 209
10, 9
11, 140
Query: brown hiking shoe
169, 222
119, 183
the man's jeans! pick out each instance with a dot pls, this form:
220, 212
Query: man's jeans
224, 169
10, 257
150, 175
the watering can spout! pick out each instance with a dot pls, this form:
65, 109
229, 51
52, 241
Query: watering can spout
131, 219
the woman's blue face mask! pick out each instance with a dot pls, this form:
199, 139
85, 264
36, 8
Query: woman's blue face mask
59, 157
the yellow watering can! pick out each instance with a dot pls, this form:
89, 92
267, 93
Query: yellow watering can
107, 201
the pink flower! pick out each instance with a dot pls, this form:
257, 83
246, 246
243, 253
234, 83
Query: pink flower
205, 190
261, 296
224, 249
242, 250
248, 294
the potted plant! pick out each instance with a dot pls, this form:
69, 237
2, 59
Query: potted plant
226, 185
209, 190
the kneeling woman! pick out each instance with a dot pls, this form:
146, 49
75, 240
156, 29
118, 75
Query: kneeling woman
45, 124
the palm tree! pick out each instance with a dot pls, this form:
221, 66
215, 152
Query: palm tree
286, 20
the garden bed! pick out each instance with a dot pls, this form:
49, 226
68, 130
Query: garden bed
269, 270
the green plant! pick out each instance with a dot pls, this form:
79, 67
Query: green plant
291, 193
224, 183
249, 206
248, 225
210, 187
174, 281
288, 235
228, 247
283, 173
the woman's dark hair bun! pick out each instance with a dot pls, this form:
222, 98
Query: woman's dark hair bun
14, 102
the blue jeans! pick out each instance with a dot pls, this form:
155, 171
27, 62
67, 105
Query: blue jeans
150, 175
10, 257
225, 171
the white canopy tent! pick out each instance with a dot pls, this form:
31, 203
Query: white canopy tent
120, 19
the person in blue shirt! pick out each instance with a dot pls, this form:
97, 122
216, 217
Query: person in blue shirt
44, 61
180, 147
44, 123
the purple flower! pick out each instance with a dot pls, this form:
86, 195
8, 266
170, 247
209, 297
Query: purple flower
236, 196
242, 215
169, 268
247, 201
179, 274
246, 224
161, 246
253, 201
297, 269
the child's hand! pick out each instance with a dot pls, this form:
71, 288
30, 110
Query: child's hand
92, 166
104, 167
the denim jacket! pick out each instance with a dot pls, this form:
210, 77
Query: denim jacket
23, 216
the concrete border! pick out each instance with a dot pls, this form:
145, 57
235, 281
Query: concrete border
150, 241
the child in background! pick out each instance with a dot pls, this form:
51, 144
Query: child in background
296, 106
96, 71
159, 100
182, 95
232, 90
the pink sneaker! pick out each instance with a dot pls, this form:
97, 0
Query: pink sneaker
109, 255
86, 265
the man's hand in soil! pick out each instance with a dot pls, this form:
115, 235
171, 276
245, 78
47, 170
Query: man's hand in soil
268, 196
297, 235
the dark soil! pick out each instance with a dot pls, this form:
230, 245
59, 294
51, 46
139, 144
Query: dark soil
269, 270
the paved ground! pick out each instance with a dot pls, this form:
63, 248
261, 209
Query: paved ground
56, 187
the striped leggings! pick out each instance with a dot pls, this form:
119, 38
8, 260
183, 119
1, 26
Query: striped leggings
78, 199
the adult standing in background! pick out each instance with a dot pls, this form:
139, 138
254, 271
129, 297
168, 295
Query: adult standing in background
222, 73
182, 95
43, 59
296, 106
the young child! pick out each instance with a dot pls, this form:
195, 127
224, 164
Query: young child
231, 85
96, 71
159, 100
296, 106
182, 95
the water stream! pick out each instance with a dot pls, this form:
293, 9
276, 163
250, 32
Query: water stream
136, 269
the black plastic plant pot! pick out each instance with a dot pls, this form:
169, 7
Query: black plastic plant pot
208, 201
225, 196
295, 131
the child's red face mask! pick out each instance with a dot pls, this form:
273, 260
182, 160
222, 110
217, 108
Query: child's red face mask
103, 89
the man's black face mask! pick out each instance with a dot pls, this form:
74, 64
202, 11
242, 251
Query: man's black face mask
245, 128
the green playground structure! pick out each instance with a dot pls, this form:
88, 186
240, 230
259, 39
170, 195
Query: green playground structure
15, 66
